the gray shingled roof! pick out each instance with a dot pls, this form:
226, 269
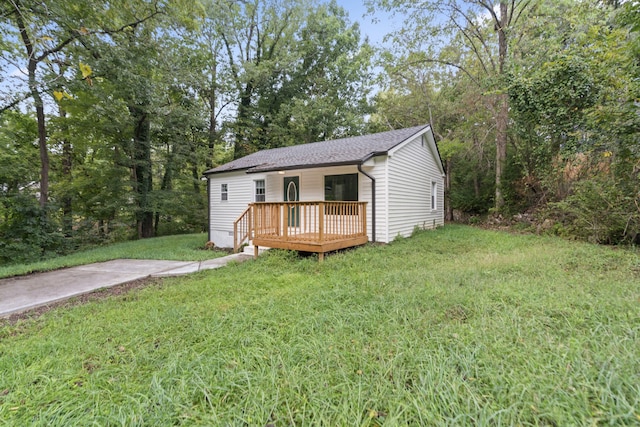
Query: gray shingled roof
345, 151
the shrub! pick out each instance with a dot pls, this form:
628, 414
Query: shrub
600, 211
27, 234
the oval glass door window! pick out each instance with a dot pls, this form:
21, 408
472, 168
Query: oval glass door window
292, 195
292, 192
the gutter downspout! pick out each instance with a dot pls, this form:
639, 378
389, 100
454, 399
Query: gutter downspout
373, 197
208, 208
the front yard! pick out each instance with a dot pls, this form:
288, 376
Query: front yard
458, 326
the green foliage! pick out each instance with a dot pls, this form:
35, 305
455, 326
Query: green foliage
600, 211
27, 234
18, 152
114, 104
575, 125
496, 329
571, 73
471, 189
300, 77
551, 102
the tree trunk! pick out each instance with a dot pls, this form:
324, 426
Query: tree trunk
167, 184
44, 152
502, 109
448, 214
32, 66
241, 147
212, 117
67, 162
196, 179
502, 118
142, 171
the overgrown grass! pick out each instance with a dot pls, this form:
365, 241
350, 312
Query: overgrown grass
185, 247
458, 326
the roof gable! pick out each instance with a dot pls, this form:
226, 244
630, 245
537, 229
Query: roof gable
427, 139
344, 151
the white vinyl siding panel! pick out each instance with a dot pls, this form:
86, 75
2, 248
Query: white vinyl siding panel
240, 191
412, 169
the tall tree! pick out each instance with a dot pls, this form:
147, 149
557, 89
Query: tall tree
214, 81
323, 94
140, 71
45, 32
451, 31
458, 114
297, 70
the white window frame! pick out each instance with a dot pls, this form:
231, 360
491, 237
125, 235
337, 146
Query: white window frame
224, 192
260, 191
434, 195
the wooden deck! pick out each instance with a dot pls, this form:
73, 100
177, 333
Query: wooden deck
302, 226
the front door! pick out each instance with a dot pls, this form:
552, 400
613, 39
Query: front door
292, 194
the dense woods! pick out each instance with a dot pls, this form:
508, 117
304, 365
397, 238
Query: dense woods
111, 110
535, 108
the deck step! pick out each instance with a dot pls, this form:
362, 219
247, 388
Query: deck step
249, 249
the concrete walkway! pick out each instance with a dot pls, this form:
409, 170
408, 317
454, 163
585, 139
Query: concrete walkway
22, 293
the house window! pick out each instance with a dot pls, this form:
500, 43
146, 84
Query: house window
260, 190
224, 193
341, 187
434, 192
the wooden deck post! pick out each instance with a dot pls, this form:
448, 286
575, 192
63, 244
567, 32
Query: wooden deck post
250, 224
321, 222
285, 230
255, 251
235, 237
363, 215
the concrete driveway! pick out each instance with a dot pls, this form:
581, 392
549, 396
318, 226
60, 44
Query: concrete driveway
18, 294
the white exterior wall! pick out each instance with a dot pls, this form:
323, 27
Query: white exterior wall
241, 192
412, 168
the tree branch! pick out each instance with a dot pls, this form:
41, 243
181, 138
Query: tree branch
76, 34
489, 8
14, 103
478, 35
473, 45
525, 4
450, 64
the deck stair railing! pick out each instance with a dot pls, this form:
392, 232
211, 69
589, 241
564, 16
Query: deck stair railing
242, 230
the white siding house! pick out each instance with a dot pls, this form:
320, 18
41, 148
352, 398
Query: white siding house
398, 173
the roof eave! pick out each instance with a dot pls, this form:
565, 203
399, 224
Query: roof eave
215, 172
309, 166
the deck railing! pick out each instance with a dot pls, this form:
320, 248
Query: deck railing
309, 221
316, 222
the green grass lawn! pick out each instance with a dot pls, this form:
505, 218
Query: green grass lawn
185, 247
458, 326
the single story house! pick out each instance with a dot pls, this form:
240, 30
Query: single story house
327, 195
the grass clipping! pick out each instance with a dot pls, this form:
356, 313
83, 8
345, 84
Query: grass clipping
453, 326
